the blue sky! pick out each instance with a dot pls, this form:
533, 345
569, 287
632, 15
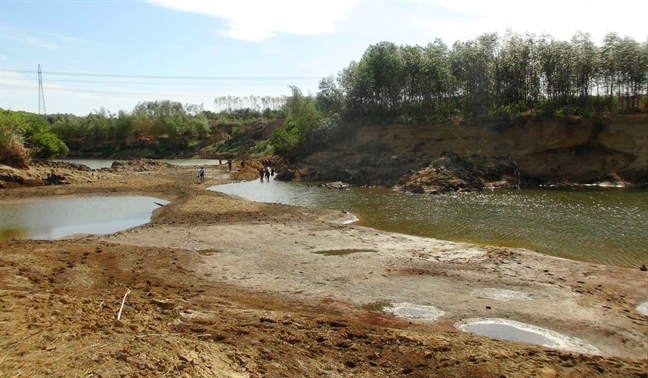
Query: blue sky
114, 54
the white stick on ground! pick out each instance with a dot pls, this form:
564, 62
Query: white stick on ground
122, 305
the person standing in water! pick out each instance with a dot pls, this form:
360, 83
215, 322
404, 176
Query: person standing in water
229, 164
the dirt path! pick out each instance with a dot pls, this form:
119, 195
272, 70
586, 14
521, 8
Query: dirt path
220, 286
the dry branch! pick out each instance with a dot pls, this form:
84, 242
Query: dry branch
122, 304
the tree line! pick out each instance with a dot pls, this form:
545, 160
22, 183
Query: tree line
490, 77
148, 119
256, 103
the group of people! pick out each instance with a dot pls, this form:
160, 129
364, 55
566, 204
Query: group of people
266, 172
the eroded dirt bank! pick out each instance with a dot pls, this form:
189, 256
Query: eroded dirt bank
612, 149
220, 286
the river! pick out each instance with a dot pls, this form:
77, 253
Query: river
606, 226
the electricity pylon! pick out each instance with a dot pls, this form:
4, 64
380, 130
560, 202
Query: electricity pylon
41, 94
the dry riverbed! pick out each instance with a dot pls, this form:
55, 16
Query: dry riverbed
221, 286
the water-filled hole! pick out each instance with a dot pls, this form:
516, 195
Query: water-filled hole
341, 252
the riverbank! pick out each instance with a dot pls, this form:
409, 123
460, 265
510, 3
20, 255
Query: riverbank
221, 286
463, 157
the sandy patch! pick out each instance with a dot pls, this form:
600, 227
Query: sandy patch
643, 308
415, 311
501, 294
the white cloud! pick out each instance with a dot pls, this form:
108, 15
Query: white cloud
259, 20
25, 38
559, 18
47, 40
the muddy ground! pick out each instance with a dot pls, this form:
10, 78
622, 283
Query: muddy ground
222, 287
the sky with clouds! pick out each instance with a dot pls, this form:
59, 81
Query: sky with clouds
116, 53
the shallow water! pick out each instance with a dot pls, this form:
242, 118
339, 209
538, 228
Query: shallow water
607, 226
90, 163
107, 163
342, 252
506, 329
193, 161
507, 332
57, 218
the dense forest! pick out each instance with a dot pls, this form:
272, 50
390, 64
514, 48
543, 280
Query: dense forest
505, 80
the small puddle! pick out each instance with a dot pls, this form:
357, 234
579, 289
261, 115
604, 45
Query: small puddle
508, 332
642, 308
208, 252
414, 311
511, 330
341, 252
57, 218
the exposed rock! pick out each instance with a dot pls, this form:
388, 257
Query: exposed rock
288, 175
455, 173
334, 185
54, 178
138, 165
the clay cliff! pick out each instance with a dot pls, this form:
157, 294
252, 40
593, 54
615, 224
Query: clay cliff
457, 156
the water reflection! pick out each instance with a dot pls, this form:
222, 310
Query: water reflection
608, 226
507, 332
52, 219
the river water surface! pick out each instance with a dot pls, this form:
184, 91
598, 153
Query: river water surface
57, 218
107, 163
607, 226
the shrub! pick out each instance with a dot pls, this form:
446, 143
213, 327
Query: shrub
12, 150
47, 145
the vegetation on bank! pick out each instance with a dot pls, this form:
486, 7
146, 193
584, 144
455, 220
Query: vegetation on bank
488, 80
26, 135
504, 80
491, 77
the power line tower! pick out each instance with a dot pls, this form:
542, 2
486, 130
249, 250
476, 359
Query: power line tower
41, 94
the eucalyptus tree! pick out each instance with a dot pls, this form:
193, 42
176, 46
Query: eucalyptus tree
473, 65
412, 87
438, 85
633, 69
609, 58
586, 68
517, 81
353, 84
330, 98
557, 60
382, 71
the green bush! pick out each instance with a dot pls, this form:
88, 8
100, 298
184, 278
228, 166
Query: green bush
12, 150
47, 145
284, 140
